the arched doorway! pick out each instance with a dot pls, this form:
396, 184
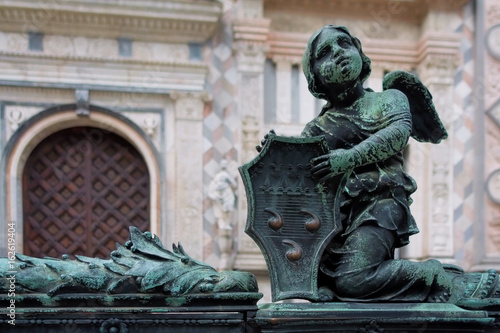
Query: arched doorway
82, 188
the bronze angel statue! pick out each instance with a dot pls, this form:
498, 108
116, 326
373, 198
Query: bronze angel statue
366, 132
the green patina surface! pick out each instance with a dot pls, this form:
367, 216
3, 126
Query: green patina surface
327, 217
135, 273
365, 133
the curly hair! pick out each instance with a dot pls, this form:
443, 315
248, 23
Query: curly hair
307, 61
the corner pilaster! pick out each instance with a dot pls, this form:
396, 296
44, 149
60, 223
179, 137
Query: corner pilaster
189, 170
432, 165
250, 48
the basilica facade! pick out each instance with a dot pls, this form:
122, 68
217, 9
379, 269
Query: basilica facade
130, 112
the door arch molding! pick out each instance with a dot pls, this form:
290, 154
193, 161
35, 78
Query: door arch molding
58, 118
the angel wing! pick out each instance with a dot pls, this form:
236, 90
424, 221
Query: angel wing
426, 125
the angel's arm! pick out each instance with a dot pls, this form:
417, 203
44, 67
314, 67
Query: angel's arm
381, 145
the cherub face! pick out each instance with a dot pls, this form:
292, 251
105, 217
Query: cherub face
336, 59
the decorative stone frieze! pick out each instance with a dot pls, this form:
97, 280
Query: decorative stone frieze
409, 11
118, 73
151, 51
152, 20
80, 46
391, 54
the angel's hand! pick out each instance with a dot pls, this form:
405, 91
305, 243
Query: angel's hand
327, 166
264, 141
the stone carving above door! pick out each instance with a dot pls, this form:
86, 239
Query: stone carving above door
16, 115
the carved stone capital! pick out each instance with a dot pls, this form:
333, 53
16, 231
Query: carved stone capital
438, 68
250, 46
250, 56
438, 55
288, 59
115, 73
188, 105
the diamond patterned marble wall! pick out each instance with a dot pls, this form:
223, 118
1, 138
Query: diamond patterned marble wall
220, 125
463, 148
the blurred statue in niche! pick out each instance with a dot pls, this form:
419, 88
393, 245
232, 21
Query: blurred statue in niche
365, 134
222, 192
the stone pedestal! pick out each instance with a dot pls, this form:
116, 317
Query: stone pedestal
121, 320
131, 313
370, 317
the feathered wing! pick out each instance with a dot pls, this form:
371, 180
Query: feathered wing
426, 125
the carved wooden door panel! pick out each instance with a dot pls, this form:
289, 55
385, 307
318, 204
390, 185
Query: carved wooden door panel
82, 188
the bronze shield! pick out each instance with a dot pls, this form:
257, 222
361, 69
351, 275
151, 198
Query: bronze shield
290, 216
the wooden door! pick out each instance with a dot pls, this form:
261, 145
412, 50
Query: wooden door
82, 189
